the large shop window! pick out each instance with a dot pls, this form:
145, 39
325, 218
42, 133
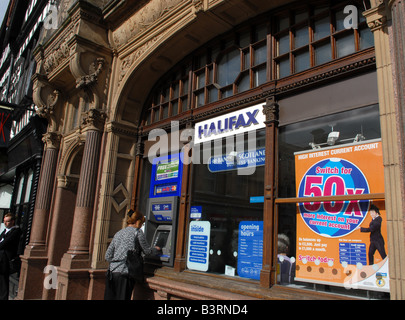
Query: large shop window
274, 45
225, 198
307, 38
325, 245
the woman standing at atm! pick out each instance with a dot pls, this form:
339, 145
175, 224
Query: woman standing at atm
118, 284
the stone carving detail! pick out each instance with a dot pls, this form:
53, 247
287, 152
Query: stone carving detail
51, 140
122, 193
198, 5
94, 119
377, 23
47, 110
270, 110
143, 19
60, 54
94, 70
130, 60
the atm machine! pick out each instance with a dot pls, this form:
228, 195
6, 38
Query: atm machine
161, 227
162, 207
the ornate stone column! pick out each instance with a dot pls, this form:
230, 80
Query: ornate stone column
76, 263
387, 49
268, 272
44, 195
35, 256
80, 239
397, 50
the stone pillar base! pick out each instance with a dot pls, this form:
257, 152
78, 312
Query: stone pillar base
31, 282
72, 284
73, 277
97, 284
72, 261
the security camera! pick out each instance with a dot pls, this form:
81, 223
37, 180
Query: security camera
332, 138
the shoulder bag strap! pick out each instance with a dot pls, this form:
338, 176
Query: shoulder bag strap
137, 244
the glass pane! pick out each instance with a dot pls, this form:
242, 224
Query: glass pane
184, 104
294, 138
361, 17
340, 18
301, 16
366, 38
323, 54
244, 83
283, 23
165, 111
210, 75
212, 94
283, 45
302, 61
260, 32
260, 55
244, 39
260, 76
149, 121
199, 99
175, 107
319, 9
201, 61
200, 81
246, 60
176, 90
301, 37
284, 68
185, 86
228, 68
227, 93
345, 46
322, 28
165, 95
225, 200
29, 185
20, 188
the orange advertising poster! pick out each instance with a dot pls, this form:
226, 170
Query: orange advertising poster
342, 243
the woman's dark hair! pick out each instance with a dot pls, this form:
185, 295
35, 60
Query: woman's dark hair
134, 216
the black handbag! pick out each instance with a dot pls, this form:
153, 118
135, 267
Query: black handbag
134, 262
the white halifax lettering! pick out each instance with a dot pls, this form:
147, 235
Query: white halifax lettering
228, 124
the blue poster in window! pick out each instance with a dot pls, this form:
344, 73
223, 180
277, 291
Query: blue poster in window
250, 249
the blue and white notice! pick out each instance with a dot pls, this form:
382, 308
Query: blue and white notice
198, 245
250, 249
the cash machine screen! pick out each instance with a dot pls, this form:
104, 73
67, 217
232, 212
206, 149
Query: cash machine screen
161, 238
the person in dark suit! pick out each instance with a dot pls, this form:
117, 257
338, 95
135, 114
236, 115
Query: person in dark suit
9, 240
376, 238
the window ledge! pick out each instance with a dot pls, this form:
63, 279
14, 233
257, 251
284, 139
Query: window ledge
195, 285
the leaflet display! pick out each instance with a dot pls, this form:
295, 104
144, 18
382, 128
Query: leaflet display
166, 176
